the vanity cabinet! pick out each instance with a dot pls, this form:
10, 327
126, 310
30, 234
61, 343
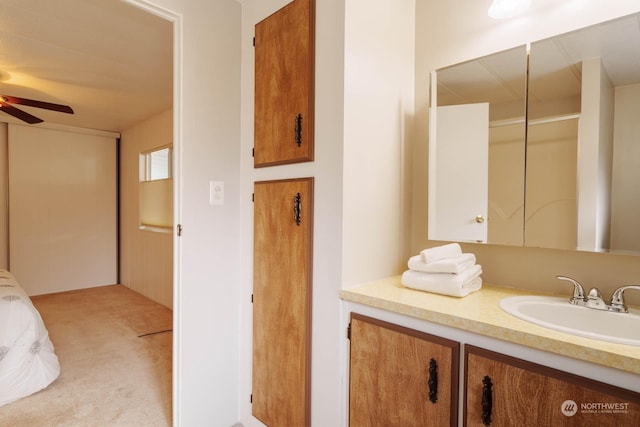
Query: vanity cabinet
404, 377
284, 85
401, 377
502, 390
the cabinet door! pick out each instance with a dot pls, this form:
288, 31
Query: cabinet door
401, 377
505, 391
284, 85
282, 302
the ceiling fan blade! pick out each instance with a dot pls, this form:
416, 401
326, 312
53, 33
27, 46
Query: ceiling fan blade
17, 113
38, 104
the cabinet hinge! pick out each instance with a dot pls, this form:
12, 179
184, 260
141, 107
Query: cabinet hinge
349, 331
251, 398
254, 42
251, 298
253, 152
179, 230
253, 197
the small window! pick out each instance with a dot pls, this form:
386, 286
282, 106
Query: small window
156, 189
157, 164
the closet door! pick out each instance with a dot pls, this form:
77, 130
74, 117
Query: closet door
62, 209
283, 226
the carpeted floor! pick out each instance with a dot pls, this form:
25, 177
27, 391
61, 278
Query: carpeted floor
114, 347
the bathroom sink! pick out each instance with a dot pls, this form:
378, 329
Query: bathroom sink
556, 313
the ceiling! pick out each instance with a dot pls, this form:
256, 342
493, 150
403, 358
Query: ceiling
555, 67
110, 61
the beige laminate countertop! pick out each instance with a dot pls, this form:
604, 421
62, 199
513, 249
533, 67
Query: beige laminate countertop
480, 313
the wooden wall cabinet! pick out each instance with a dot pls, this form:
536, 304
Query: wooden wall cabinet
282, 271
284, 85
505, 391
401, 377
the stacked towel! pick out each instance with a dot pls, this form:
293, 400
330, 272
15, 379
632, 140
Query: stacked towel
455, 265
437, 253
444, 270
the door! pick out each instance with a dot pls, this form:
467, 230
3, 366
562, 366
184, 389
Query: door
401, 377
505, 391
282, 268
458, 193
284, 85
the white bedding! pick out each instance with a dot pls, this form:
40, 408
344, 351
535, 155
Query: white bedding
27, 360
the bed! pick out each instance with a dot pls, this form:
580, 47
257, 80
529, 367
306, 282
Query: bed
28, 362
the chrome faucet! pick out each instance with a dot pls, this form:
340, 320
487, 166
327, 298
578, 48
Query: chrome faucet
594, 297
617, 299
578, 297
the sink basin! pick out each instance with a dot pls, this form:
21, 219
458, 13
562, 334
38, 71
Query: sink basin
556, 313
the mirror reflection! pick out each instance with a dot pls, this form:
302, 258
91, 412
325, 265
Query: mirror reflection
476, 149
579, 189
584, 98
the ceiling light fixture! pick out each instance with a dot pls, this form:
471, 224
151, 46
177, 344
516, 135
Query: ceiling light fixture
502, 9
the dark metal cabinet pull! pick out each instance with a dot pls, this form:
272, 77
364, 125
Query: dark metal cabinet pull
433, 381
297, 208
487, 400
298, 130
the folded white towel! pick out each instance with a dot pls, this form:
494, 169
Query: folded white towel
450, 250
447, 265
447, 280
415, 280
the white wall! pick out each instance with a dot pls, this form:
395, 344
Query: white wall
146, 256
605, 162
207, 141
378, 116
595, 143
62, 208
4, 198
550, 196
625, 221
506, 184
458, 30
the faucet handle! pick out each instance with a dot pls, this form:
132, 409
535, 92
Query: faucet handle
578, 290
594, 299
617, 299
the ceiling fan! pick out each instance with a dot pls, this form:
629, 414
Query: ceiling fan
6, 101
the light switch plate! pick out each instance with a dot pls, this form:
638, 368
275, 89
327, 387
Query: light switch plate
216, 193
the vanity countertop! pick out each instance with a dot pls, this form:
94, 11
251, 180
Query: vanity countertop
480, 313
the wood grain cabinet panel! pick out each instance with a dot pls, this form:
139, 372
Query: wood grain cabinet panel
504, 391
283, 227
401, 377
284, 85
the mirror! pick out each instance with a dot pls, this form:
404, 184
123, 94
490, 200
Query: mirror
574, 183
476, 149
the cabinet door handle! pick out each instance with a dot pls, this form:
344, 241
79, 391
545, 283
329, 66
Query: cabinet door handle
487, 400
298, 130
433, 381
297, 208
